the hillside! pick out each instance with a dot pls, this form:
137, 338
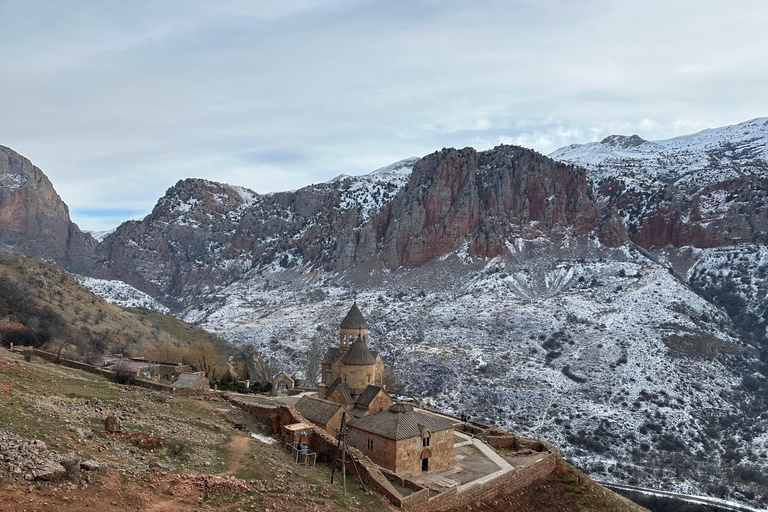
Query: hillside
178, 453
44, 306
503, 284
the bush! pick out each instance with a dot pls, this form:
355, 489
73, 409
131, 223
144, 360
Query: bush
178, 448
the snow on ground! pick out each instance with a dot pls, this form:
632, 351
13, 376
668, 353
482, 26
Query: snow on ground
121, 294
689, 161
584, 352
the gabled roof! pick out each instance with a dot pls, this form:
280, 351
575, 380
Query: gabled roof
330, 355
399, 425
188, 380
345, 392
354, 319
359, 354
368, 394
317, 409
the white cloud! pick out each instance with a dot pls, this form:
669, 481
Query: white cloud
116, 102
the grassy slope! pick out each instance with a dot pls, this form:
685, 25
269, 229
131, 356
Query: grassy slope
61, 405
91, 324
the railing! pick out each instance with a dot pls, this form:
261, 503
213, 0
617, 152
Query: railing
302, 455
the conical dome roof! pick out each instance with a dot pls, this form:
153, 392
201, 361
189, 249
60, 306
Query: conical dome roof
354, 319
400, 407
358, 353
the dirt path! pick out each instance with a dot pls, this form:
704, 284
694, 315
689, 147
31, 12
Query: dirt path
237, 449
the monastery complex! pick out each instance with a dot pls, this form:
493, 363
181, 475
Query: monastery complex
408, 442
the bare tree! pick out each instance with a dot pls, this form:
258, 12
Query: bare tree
313, 365
260, 369
123, 374
392, 380
203, 356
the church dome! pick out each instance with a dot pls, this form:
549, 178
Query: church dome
354, 319
359, 353
401, 407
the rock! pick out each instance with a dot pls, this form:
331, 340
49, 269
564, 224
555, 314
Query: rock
112, 425
72, 466
50, 471
90, 465
35, 220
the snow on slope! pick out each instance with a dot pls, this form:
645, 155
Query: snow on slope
121, 294
369, 192
584, 352
689, 161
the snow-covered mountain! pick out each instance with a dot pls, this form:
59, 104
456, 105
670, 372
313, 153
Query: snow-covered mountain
688, 162
504, 285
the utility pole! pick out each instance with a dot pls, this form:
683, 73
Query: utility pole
341, 445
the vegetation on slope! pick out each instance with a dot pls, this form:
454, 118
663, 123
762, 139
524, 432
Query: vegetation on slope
42, 306
192, 464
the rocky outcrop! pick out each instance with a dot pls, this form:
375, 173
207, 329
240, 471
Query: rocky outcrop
29, 459
34, 220
484, 200
729, 212
204, 234
702, 190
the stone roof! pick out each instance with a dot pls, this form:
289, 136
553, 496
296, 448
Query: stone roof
317, 409
368, 394
345, 392
399, 425
188, 380
330, 355
354, 319
358, 353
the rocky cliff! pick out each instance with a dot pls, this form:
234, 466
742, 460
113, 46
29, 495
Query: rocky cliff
204, 234
33, 218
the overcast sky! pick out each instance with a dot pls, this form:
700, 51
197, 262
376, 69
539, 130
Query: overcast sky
116, 101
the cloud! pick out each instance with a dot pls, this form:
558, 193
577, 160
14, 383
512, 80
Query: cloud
116, 102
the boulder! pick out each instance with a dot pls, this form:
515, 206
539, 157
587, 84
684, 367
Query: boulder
112, 425
90, 465
50, 471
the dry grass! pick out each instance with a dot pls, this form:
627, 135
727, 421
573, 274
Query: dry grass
92, 325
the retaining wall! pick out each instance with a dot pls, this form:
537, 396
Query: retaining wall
320, 442
513, 480
79, 365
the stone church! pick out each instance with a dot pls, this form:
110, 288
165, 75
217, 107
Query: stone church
393, 435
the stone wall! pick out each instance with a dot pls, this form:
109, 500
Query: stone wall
78, 365
509, 481
323, 444
378, 480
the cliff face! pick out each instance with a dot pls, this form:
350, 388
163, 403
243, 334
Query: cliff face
33, 218
484, 200
703, 190
203, 234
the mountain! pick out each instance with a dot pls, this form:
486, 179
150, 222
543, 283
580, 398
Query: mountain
699, 202
502, 284
33, 218
203, 234
498, 284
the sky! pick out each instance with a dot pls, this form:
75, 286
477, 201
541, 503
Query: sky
117, 101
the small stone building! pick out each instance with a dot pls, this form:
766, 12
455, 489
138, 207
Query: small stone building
282, 383
323, 413
403, 440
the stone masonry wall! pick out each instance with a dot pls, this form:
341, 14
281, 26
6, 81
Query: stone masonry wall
512, 480
323, 444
